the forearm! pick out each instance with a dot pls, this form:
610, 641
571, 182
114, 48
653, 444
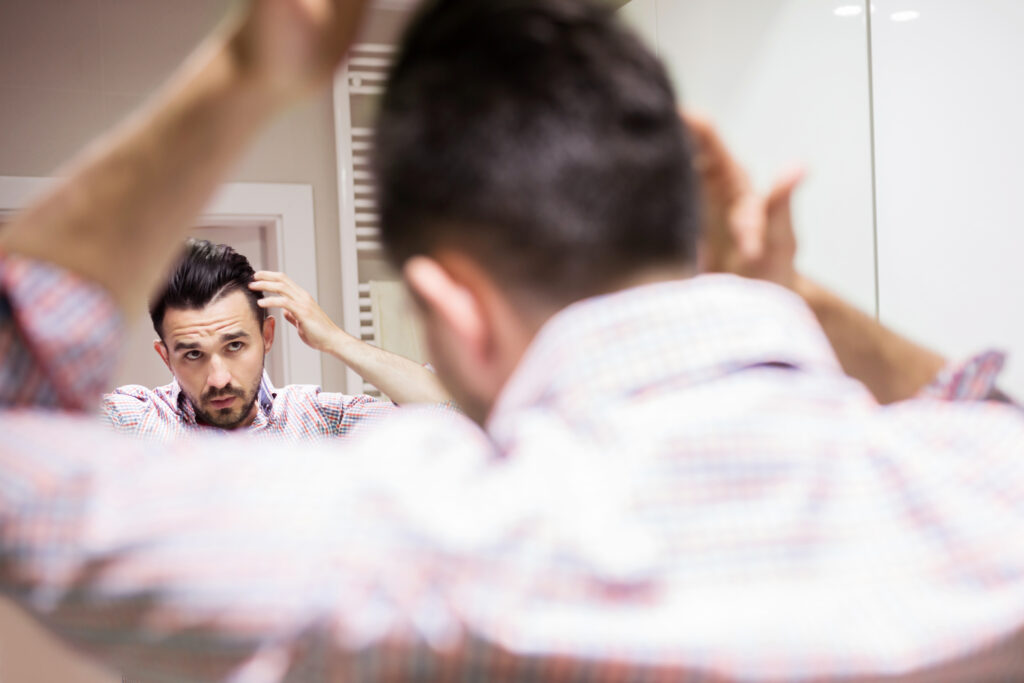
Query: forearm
205, 610
127, 201
402, 380
892, 367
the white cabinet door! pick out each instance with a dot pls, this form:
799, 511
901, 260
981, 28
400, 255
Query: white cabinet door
787, 83
948, 104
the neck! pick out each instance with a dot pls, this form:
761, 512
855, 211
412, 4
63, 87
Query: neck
523, 321
654, 274
534, 311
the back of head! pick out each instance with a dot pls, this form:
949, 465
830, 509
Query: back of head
541, 138
206, 272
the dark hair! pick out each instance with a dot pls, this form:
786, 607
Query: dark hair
205, 272
541, 137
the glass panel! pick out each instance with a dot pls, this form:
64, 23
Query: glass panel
786, 81
950, 163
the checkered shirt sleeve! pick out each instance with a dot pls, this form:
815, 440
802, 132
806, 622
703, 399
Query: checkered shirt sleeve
973, 379
59, 336
345, 414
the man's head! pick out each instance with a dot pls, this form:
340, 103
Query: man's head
529, 154
213, 334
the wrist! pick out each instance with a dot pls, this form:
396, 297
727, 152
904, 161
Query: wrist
251, 72
243, 78
283, 66
340, 344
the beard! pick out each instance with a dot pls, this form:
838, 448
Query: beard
231, 417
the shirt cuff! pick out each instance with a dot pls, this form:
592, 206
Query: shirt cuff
970, 380
71, 331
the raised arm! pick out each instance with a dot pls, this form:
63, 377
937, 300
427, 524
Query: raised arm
125, 202
403, 380
892, 367
752, 236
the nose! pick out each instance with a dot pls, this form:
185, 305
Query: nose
218, 376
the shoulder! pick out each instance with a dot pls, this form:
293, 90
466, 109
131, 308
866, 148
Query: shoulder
967, 425
297, 392
341, 412
131, 394
327, 400
127, 405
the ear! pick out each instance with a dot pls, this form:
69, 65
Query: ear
269, 324
161, 350
450, 302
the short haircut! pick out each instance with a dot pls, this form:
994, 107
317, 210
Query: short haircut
206, 272
542, 138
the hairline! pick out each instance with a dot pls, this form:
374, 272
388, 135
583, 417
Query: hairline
224, 291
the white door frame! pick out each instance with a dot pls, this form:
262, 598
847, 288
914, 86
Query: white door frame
285, 209
349, 275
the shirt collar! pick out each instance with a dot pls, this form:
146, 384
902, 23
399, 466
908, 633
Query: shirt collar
265, 401
671, 333
186, 410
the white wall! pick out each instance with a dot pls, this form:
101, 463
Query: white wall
786, 81
935, 82
950, 168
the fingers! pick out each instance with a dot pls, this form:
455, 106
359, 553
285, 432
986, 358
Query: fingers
270, 275
779, 200
267, 286
280, 292
779, 212
786, 184
282, 302
746, 226
713, 160
286, 305
267, 280
276, 283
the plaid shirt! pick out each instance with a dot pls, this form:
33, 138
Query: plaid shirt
297, 411
678, 483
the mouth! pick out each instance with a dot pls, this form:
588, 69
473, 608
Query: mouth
222, 403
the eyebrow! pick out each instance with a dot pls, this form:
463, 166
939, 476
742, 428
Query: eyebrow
224, 338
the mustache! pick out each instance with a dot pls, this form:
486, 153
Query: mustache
223, 393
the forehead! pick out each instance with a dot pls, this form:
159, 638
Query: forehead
228, 314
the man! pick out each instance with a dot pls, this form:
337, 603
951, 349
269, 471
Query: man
671, 478
214, 333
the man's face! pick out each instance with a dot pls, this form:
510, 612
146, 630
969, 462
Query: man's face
217, 354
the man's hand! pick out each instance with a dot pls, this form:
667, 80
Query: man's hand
314, 327
400, 378
293, 46
742, 233
749, 235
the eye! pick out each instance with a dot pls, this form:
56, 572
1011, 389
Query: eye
193, 355
235, 346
